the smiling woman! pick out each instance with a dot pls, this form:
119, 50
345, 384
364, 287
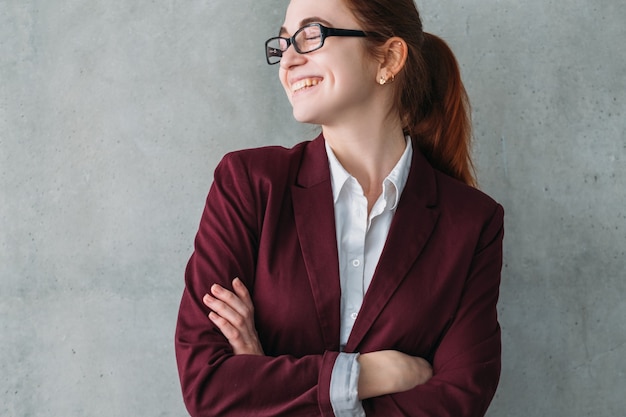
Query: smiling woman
357, 273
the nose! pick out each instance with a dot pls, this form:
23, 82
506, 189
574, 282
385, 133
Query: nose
291, 58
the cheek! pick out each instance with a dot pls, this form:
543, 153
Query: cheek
355, 70
355, 82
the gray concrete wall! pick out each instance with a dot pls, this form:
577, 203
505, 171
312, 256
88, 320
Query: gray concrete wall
114, 113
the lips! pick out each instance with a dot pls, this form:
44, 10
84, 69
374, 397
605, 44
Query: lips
304, 83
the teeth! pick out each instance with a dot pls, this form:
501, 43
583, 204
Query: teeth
308, 82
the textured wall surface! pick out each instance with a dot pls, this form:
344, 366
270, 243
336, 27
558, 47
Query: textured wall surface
114, 113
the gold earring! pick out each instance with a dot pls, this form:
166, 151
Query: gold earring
383, 79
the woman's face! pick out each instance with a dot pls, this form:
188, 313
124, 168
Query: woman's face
332, 84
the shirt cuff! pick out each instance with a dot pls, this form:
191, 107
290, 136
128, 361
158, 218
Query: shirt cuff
344, 384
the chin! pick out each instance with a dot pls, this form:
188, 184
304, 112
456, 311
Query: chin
305, 117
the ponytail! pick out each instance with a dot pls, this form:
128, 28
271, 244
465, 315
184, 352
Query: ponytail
429, 93
442, 127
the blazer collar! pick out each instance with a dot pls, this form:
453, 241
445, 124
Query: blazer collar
315, 224
314, 165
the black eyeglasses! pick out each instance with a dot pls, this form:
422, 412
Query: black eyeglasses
307, 39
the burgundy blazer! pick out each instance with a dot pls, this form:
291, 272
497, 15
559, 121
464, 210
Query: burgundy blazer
269, 220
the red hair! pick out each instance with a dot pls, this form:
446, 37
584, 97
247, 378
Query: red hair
430, 95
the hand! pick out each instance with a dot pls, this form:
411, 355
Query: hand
389, 372
233, 314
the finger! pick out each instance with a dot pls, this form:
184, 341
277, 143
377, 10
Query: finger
208, 300
238, 329
233, 301
225, 311
227, 329
243, 293
241, 342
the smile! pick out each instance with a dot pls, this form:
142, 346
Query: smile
304, 83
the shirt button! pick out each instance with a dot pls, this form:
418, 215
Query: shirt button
353, 315
356, 263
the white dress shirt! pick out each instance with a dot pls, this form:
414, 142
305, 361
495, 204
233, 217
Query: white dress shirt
360, 241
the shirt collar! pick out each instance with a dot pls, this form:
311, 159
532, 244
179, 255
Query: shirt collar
393, 184
338, 173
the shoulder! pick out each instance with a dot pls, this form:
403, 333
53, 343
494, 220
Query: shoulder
250, 178
466, 206
461, 204
455, 193
267, 154
264, 161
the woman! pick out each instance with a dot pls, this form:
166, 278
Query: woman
366, 267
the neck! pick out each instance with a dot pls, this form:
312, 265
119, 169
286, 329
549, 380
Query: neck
367, 151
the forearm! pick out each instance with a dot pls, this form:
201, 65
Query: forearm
259, 386
217, 382
357, 377
463, 387
389, 372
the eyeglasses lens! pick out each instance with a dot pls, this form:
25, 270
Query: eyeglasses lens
274, 49
307, 39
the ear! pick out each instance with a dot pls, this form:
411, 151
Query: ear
393, 55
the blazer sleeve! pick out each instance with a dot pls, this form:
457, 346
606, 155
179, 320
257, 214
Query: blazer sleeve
466, 364
214, 381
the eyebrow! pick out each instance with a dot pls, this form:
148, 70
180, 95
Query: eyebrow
283, 31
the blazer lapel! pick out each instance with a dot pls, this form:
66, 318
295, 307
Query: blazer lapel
315, 224
412, 225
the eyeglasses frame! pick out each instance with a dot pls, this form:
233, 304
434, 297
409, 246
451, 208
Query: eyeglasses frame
325, 32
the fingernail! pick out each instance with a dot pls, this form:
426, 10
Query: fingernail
215, 288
